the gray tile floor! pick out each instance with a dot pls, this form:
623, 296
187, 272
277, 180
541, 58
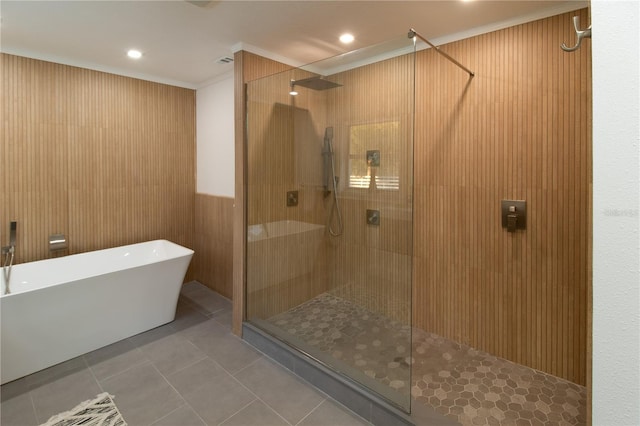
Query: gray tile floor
192, 371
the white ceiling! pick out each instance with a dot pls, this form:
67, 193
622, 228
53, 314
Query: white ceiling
182, 40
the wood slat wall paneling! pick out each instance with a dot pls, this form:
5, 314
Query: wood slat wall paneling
107, 160
520, 129
247, 67
373, 264
213, 243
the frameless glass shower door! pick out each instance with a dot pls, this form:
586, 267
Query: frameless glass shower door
330, 215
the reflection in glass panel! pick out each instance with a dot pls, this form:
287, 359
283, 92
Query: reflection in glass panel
331, 273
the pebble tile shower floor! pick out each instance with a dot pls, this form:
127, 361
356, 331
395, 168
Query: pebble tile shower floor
470, 386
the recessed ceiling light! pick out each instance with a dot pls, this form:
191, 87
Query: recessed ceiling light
134, 54
346, 38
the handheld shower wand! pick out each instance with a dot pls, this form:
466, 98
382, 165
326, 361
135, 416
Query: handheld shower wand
330, 175
327, 160
9, 252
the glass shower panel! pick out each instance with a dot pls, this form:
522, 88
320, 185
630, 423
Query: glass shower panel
330, 215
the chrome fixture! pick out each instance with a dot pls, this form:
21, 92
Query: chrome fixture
328, 156
580, 34
57, 242
9, 252
413, 34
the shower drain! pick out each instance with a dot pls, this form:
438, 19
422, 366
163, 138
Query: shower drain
351, 331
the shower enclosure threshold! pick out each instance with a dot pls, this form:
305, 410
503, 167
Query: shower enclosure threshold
349, 393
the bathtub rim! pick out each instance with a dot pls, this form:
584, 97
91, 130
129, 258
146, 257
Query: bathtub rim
181, 251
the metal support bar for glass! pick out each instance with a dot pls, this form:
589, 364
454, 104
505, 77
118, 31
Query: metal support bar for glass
413, 33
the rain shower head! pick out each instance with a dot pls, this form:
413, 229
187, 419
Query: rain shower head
315, 83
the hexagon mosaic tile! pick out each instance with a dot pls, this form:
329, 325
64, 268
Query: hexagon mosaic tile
465, 384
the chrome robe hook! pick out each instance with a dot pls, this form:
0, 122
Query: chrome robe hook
580, 34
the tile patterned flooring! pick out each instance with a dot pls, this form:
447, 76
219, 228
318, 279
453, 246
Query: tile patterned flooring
467, 385
192, 371
368, 342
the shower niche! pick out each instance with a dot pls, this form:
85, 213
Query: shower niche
319, 278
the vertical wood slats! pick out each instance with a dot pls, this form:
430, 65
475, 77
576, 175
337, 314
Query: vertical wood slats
520, 129
247, 67
107, 160
212, 263
373, 263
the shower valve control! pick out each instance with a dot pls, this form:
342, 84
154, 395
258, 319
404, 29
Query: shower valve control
514, 214
292, 198
373, 217
373, 158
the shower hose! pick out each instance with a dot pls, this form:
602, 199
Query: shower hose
335, 209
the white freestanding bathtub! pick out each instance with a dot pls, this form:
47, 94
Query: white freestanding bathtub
65, 307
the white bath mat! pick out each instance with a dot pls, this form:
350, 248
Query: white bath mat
101, 411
